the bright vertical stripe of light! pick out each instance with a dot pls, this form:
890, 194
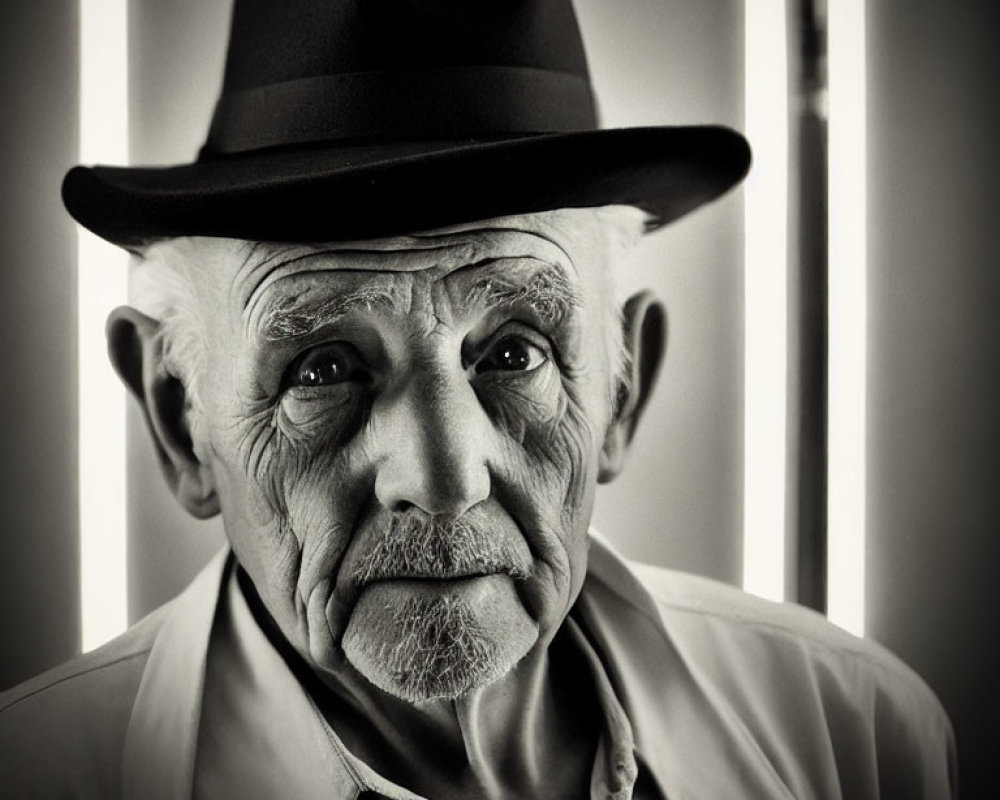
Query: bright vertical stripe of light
766, 203
101, 286
848, 314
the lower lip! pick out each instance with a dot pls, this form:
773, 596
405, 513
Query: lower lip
462, 585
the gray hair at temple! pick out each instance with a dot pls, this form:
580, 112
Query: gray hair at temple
165, 290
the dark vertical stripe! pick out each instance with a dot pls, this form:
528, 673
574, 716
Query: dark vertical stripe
39, 568
810, 315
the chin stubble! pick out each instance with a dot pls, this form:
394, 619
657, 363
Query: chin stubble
425, 648
438, 612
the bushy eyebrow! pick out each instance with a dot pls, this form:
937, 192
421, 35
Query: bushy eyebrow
294, 316
547, 292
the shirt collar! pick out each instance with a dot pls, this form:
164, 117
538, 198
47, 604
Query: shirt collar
160, 743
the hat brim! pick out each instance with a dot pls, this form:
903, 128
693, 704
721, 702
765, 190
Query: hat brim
361, 191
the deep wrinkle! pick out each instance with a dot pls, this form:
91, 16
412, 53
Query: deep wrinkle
459, 247
274, 260
265, 258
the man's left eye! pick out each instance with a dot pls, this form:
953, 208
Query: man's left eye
511, 354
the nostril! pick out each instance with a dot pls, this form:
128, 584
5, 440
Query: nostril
401, 506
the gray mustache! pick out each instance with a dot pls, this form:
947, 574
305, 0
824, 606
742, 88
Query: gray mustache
421, 547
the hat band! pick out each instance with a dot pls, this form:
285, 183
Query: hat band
405, 105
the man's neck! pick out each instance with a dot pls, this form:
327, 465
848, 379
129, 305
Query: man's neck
533, 733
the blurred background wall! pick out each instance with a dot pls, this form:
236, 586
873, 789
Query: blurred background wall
935, 334
39, 565
934, 429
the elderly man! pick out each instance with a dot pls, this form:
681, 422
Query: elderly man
375, 328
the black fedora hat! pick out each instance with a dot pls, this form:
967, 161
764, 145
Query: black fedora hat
348, 119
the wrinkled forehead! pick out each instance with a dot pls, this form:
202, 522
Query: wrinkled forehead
578, 242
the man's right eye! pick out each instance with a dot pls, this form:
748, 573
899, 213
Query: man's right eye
327, 365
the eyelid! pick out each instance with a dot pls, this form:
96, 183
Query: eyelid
477, 348
527, 336
289, 379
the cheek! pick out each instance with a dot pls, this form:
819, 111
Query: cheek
567, 450
521, 408
317, 490
545, 475
292, 516
262, 543
307, 430
551, 440
328, 415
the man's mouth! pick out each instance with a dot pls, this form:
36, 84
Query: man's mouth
426, 549
428, 576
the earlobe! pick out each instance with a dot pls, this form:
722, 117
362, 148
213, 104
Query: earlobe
196, 492
645, 338
136, 352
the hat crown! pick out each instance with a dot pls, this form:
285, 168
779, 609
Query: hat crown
273, 42
304, 71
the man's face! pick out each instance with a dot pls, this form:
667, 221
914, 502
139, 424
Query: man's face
404, 439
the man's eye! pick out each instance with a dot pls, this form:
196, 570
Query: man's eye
326, 366
512, 354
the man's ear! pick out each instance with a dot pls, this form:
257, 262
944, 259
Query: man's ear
136, 352
645, 332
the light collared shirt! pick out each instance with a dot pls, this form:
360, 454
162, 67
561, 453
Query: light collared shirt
705, 693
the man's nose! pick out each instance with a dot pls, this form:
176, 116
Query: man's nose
435, 436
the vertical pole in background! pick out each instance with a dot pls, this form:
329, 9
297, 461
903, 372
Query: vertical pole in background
101, 279
848, 314
808, 434
765, 368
